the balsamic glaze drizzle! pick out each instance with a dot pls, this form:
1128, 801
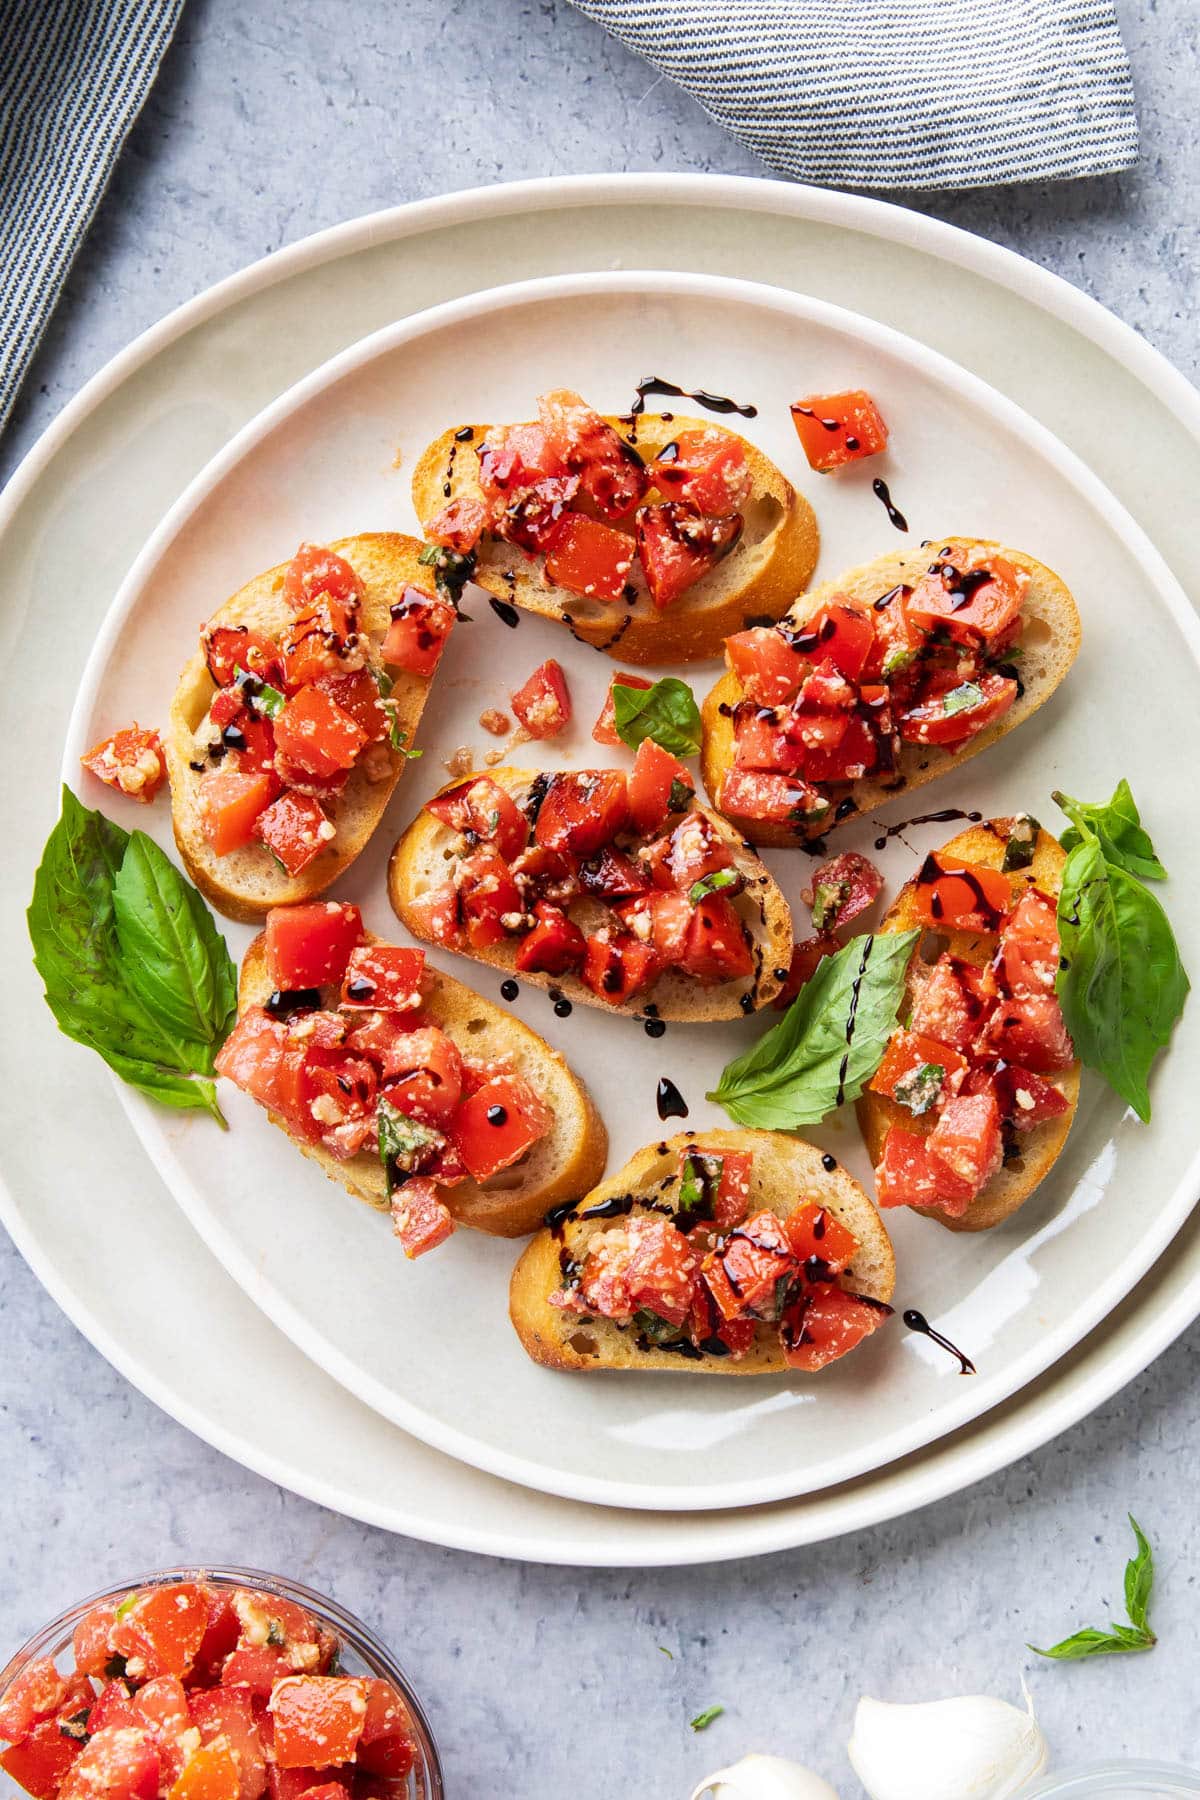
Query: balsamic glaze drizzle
669, 1101
717, 403
917, 1322
504, 612
851, 1018
879, 488
943, 817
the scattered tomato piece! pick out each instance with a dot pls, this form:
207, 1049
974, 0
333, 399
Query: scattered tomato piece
132, 761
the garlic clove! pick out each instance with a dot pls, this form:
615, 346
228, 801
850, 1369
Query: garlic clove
969, 1748
764, 1778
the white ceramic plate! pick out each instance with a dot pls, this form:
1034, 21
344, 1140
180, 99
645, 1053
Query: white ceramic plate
322, 461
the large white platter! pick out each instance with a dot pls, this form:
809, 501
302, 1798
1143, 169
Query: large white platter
430, 1346
73, 520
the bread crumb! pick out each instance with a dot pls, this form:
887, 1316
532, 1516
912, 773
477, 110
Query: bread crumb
493, 757
495, 721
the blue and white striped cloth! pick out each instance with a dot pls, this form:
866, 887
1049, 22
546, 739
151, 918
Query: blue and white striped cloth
74, 75
900, 94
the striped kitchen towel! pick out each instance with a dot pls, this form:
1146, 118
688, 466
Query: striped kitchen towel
74, 75
899, 93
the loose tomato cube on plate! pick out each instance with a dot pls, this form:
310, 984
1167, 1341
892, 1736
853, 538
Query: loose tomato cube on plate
839, 428
590, 559
543, 703
605, 729
132, 761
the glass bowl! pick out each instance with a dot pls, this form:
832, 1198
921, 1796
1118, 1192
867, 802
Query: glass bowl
361, 1653
1119, 1781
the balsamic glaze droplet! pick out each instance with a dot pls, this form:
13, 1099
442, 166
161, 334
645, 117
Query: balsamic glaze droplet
562, 1009
669, 1101
497, 1115
916, 1321
503, 611
879, 488
509, 989
828, 1163
655, 1028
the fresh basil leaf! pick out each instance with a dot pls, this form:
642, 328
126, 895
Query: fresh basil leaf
383, 682
1118, 1639
681, 796
1118, 825
262, 697
829, 897
1091, 1642
1139, 1578
697, 1182
397, 736
829, 1042
174, 958
920, 1089
658, 1331
1022, 842
1120, 981
703, 1720
402, 1143
968, 693
666, 712
77, 952
712, 884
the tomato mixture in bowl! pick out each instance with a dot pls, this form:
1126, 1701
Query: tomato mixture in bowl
222, 1684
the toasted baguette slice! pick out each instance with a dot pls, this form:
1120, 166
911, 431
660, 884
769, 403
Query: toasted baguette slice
1039, 1149
248, 882
419, 864
565, 1162
1050, 641
786, 1170
756, 582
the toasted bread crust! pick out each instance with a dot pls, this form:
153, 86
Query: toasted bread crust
248, 883
1051, 642
786, 1170
769, 566
1013, 1184
515, 1201
416, 865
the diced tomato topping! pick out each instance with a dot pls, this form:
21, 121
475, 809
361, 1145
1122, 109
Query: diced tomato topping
424, 1070
1029, 1032
34, 1694
947, 1005
316, 734
605, 729
679, 546
487, 895
318, 1720
420, 1217
660, 1272
417, 636
654, 785
707, 468
842, 888
618, 966
610, 471
769, 799
907, 1053
497, 1125
315, 571
817, 1235
975, 595
763, 660
806, 957
256, 1668
839, 428
162, 1708
853, 755
583, 811
384, 976
42, 1760
163, 1629
386, 1746
211, 1774
732, 1170
717, 949
755, 1259
90, 1640
589, 558
295, 829
759, 744
554, 946
113, 1707
842, 632
526, 484
1028, 950
132, 761
543, 703
228, 1713
906, 1176
960, 896
357, 693
1024, 1099
309, 946
437, 913
826, 1323
611, 875
480, 805
459, 525
119, 1763
897, 638
321, 640
228, 648
958, 711
229, 804
965, 1140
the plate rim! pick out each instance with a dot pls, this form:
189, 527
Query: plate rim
1005, 1440
504, 300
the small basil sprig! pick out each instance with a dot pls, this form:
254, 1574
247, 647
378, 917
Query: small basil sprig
666, 712
1118, 1640
829, 1042
133, 965
1121, 983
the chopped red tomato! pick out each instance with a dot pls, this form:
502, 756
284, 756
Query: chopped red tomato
826, 1323
132, 761
210, 1774
316, 734
417, 636
605, 729
554, 946
487, 895
679, 546
582, 812
318, 1720
949, 1002
420, 1217
309, 946
497, 1125
162, 1708
953, 713
817, 1235
315, 571
706, 468
386, 1747
256, 1668
34, 1694
842, 632
295, 828
851, 755
839, 428
41, 1760
618, 966
1024, 1099
119, 1763
385, 976
228, 648
771, 799
357, 693
90, 1640
320, 641
759, 744
459, 525
114, 1707
724, 1181
482, 807
611, 875
1029, 945
611, 473
591, 559
906, 1176
965, 1140
437, 913
228, 1713
660, 1272
806, 957
974, 595
897, 638
717, 949
543, 703
918, 1072
1029, 1032
658, 786
425, 1075
526, 484
842, 888
765, 663
755, 1259
163, 1629
960, 896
